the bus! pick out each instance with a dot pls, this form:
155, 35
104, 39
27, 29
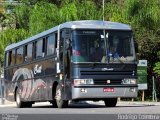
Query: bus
77, 60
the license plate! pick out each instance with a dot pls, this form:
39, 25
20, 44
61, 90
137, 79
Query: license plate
108, 89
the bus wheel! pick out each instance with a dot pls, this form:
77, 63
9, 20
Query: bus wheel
19, 103
60, 103
110, 102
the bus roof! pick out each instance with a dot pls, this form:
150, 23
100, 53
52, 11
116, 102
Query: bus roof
83, 24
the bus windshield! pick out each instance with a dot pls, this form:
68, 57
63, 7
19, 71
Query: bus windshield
90, 46
120, 46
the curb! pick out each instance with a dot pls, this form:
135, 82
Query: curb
7, 103
139, 103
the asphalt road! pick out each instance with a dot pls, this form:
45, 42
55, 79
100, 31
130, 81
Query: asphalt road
85, 108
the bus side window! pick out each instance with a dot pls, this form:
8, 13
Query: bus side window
51, 44
39, 48
19, 55
9, 56
29, 51
34, 50
44, 47
55, 40
6, 59
61, 41
25, 53
13, 56
61, 46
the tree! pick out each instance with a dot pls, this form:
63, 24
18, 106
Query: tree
10, 36
144, 18
22, 13
45, 15
88, 10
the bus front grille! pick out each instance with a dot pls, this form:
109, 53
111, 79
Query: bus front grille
107, 82
106, 73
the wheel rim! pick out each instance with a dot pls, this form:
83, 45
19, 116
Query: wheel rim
18, 99
58, 95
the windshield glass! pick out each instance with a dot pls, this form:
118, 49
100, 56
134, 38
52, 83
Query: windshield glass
87, 46
120, 46
90, 46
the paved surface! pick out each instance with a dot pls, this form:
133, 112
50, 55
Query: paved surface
83, 111
85, 108
8, 103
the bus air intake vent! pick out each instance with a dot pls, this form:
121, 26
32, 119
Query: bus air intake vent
106, 72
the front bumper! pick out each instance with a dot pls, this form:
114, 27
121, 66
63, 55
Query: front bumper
97, 92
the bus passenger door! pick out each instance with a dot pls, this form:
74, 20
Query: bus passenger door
65, 61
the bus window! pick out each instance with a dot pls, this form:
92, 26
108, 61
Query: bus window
87, 46
120, 46
39, 49
50, 44
13, 55
19, 56
25, 53
29, 51
9, 54
10, 58
6, 59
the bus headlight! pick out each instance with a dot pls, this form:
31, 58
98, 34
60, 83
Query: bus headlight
83, 82
129, 81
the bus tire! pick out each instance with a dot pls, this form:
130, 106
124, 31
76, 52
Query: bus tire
110, 102
60, 103
19, 102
